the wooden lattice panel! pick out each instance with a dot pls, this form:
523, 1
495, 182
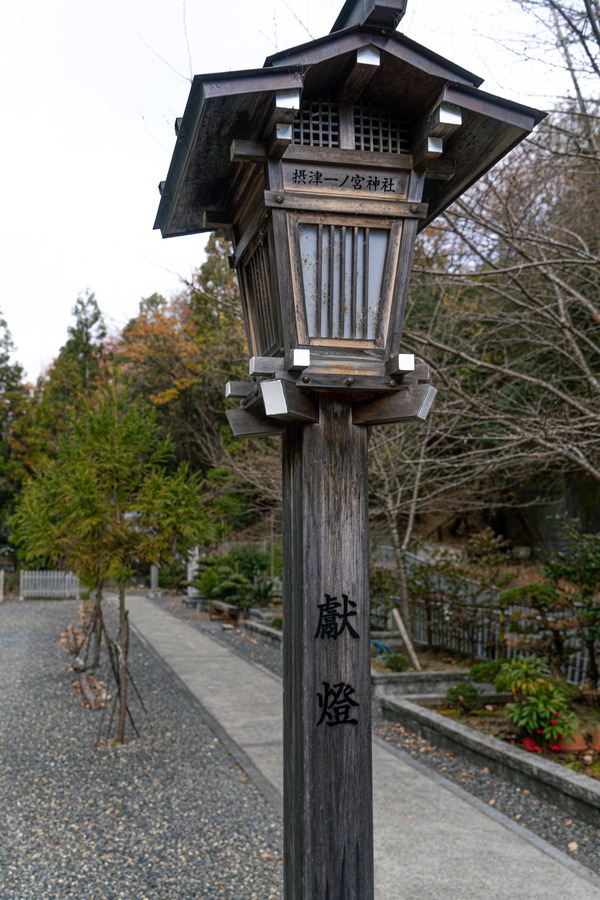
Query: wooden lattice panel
379, 131
317, 124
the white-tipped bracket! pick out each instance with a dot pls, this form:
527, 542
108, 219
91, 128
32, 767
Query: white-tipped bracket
399, 406
297, 360
284, 401
400, 364
368, 56
265, 365
427, 401
274, 398
239, 389
288, 99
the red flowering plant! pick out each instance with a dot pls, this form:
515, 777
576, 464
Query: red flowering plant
541, 706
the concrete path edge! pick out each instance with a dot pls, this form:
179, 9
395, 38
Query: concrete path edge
273, 797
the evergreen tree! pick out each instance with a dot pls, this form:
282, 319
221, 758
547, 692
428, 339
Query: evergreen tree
111, 501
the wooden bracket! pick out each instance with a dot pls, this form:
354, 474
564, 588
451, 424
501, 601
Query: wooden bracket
283, 111
358, 74
287, 403
280, 140
248, 151
400, 364
412, 403
266, 365
420, 375
427, 138
297, 360
441, 169
430, 149
217, 219
239, 390
252, 424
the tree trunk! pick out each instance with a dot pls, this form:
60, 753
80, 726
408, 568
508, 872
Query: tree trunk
123, 649
97, 625
400, 555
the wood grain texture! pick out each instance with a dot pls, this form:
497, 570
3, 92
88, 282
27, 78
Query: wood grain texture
349, 202
413, 402
328, 836
248, 424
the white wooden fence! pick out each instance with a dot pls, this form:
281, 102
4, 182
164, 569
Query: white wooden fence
48, 585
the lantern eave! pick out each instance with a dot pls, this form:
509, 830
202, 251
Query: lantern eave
196, 195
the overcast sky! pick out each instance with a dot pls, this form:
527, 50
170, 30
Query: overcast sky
90, 92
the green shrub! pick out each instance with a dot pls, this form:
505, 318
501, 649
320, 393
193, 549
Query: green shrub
397, 662
262, 591
521, 675
465, 696
206, 578
486, 671
277, 623
541, 707
248, 560
172, 576
231, 587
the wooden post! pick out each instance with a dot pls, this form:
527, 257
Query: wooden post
328, 821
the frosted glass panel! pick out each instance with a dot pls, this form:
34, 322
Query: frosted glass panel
342, 269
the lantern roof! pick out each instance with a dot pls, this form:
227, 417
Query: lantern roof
204, 182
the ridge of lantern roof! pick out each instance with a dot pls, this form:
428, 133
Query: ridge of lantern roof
393, 42
384, 13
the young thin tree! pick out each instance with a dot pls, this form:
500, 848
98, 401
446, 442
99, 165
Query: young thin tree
111, 501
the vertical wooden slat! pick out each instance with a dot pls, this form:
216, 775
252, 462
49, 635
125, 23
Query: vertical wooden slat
319, 292
331, 282
365, 309
342, 313
354, 282
257, 304
263, 294
267, 300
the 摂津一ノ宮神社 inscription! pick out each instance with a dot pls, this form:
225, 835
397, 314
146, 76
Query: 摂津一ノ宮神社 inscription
373, 182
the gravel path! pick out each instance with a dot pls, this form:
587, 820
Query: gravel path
562, 830
168, 815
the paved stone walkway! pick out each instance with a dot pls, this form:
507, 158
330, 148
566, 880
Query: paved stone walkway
431, 841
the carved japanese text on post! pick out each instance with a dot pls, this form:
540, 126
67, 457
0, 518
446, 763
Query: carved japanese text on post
337, 705
334, 617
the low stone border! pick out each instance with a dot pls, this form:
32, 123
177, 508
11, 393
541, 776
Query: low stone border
577, 794
401, 684
264, 614
271, 635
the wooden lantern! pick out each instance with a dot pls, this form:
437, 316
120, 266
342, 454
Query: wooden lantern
322, 167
